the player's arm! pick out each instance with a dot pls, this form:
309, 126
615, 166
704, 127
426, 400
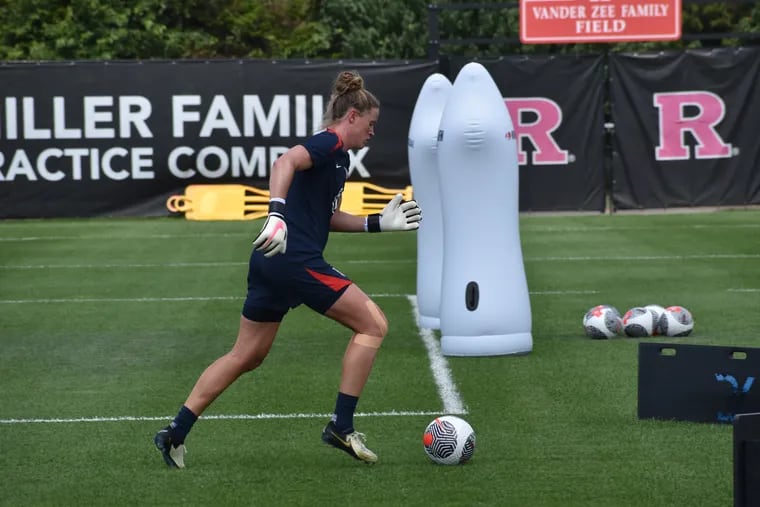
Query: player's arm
273, 237
396, 216
342, 221
295, 159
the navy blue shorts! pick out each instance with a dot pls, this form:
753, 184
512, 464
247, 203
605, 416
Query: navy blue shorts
277, 284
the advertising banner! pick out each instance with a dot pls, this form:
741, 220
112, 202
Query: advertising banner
686, 128
118, 138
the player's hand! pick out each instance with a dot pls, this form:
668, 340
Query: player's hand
273, 238
400, 216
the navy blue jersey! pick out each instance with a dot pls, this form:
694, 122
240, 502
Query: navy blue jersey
301, 275
314, 194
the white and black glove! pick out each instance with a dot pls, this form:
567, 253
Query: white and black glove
396, 216
273, 238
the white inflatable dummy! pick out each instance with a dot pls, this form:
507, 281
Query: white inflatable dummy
423, 169
485, 306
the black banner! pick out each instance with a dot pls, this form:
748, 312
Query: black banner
686, 128
557, 107
118, 138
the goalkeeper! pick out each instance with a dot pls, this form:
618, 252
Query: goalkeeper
287, 269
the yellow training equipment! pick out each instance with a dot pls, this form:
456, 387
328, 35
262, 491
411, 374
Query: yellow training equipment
242, 202
221, 202
361, 198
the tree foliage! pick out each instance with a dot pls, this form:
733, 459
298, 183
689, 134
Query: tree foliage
143, 29
382, 29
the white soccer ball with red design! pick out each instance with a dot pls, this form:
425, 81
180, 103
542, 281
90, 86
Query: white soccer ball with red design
676, 321
638, 322
657, 313
449, 440
602, 321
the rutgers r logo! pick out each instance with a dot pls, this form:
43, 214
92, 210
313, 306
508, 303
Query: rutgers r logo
695, 112
535, 120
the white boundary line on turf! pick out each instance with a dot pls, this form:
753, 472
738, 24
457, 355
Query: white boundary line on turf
642, 258
179, 264
150, 299
447, 389
136, 236
213, 264
180, 299
534, 228
217, 417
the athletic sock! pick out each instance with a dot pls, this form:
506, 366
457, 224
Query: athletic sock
343, 417
181, 425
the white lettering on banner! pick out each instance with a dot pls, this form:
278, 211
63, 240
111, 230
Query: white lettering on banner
180, 115
560, 12
219, 117
213, 162
134, 111
600, 26
30, 131
256, 119
60, 131
644, 10
93, 117
11, 118
301, 118
600, 20
97, 118
127, 116
32, 122
119, 163
280, 110
356, 162
54, 164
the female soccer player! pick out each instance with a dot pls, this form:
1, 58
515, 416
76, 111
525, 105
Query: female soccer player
287, 269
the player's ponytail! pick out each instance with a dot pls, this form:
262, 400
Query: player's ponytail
348, 92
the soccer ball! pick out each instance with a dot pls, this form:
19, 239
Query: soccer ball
657, 312
602, 321
638, 322
449, 440
676, 321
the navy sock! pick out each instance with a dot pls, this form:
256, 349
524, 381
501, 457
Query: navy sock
181, 425
345, 406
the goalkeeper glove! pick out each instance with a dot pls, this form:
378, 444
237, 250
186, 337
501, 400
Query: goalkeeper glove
396, 216
273, 237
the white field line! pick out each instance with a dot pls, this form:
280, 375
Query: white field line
447, 389
642, 257
524, 228
216, 417
94, 237
211, 264
217, 264
182, 299
602, 228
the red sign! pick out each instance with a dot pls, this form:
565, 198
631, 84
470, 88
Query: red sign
574, 21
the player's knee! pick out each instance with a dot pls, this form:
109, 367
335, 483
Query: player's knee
246, 362
253, 363
380, 323
374, 333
